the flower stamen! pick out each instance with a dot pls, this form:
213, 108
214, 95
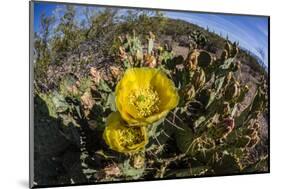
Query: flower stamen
130, 136
146, 101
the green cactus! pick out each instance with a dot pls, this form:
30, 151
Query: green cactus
204, 59
205, 134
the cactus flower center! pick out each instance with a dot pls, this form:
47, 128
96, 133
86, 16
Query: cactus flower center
146, 101
130, 136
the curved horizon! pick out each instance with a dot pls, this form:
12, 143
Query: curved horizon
250, 31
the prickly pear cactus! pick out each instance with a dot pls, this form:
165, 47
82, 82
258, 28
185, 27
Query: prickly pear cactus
189, 119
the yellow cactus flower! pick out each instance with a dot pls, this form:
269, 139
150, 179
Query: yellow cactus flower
121, 138
145, 95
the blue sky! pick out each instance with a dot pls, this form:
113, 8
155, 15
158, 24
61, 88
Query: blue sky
250, 31
40, 8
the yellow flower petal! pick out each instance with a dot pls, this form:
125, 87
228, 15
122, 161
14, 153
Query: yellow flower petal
166, 90
145, 95
121, 138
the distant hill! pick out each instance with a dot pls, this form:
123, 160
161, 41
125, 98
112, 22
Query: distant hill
179, 30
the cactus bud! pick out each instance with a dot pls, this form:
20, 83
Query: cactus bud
151, 35
138, 161
150, 61
199, 79
256, 126
150, 44
139, 55
232, 91
228, 48
115, 71
254, 134
228, 78
96, 75
87, 100
235, 50
253, 142
192, 60
122, 54
224, 55
245, 89
226, 109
